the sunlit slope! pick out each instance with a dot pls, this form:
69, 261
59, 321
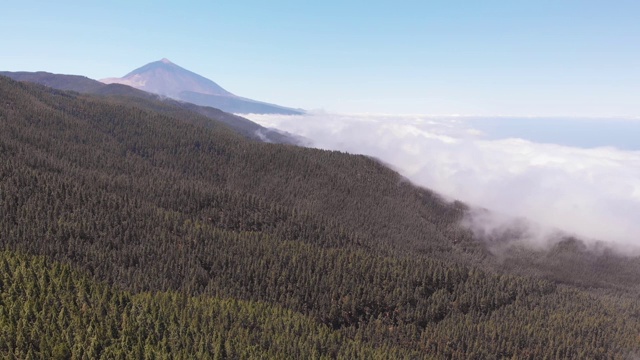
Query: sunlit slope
149, 201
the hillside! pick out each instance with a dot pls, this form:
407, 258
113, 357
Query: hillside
149, 204
82, 318
85, 85
62, 82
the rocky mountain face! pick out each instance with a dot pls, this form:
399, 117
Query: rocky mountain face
168, 79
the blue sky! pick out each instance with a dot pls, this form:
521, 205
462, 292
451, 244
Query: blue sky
510, 57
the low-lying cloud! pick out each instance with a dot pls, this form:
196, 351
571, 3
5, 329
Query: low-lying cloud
592, 193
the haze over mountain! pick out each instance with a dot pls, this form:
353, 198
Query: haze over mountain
168, 79
592, 192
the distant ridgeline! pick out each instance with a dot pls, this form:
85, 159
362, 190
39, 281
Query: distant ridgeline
133, 227
85, 85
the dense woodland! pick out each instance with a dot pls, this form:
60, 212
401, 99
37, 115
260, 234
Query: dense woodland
134, 228
157, 103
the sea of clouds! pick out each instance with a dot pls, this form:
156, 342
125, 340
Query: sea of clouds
593, 193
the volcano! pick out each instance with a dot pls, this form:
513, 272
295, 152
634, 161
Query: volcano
168, 79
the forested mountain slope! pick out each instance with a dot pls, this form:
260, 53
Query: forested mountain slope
125, 93
51, 311
144, 200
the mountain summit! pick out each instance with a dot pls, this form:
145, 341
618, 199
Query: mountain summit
168, 79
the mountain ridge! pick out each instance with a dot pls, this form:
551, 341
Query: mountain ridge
86, 85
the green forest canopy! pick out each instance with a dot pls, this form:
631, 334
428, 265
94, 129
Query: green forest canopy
287, 251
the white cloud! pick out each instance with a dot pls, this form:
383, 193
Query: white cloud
592, 193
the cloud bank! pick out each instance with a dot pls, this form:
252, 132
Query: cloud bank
591, 193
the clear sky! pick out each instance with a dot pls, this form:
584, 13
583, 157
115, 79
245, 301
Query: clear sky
474, 57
